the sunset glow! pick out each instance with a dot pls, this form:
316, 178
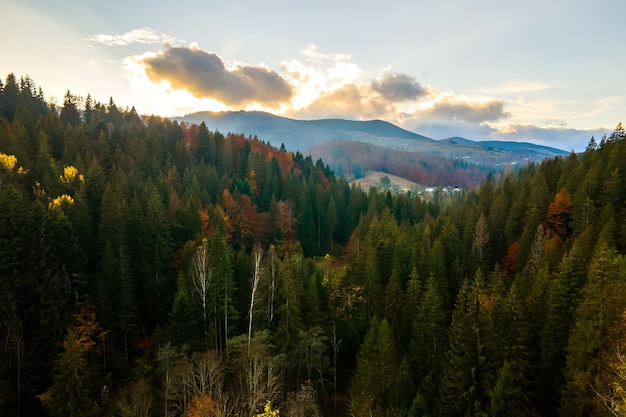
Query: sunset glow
454, 71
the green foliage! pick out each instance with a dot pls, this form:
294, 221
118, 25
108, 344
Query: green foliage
541, 335
68, 395
465, 376
376, 373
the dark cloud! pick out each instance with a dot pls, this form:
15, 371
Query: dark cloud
398, 87
468, 111
204, 74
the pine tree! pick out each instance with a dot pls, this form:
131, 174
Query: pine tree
597, 319
289, 324
68, 395
375, 375
393, 299
559, 312
428, 340
507, 397
465, 381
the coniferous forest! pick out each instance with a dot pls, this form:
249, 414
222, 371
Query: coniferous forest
150, 268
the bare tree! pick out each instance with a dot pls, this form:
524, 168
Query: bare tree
271, 285
481, 236
201, 277
136, 401
257, 370
303, 403
198, 383
258, 256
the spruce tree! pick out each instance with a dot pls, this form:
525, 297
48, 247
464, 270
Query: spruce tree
597, 321
376, 371
465, 382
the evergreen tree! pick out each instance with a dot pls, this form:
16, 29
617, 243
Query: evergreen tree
596, 320
507, 397
292, 275
428, 340
465, 381
561, 303
393, 299
375, 374
68, 395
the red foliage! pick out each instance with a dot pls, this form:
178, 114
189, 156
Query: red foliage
508, 261
190, 136
423, 169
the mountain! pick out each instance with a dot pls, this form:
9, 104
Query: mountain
301, 135
298, 135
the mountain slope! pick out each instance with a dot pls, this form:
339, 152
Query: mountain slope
301, 135
298, 135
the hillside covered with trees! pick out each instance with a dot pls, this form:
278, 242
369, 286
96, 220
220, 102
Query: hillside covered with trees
354, 159
151, 268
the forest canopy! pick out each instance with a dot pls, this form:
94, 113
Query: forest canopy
154, 268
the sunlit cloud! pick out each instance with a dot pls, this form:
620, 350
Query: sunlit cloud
160, 98
306, 81
517, 88
344, 73
475, 110
143, 35
352, 101
205, 75
311, 53
322, 85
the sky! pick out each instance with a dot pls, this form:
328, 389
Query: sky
551, 72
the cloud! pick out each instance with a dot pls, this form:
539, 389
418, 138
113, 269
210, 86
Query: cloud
398, 87
558, 137
313, 54
205, 75
329, 87
563, 138
518, 88
143, 35
470, 110
352, 101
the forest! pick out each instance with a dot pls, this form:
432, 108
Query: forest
151, 268
350, 158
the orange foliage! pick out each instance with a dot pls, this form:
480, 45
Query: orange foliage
253, 183
559, 216
88, 330
243, 223
204, 218
286, 221
185, 253
190, 136
284, 159
202, 406
232, 215
508, 261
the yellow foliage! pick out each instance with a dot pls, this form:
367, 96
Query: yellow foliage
63, 198
268, 411
70, 173
9, 162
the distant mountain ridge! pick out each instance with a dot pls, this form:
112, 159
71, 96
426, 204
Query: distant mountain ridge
300, 135
297, 134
